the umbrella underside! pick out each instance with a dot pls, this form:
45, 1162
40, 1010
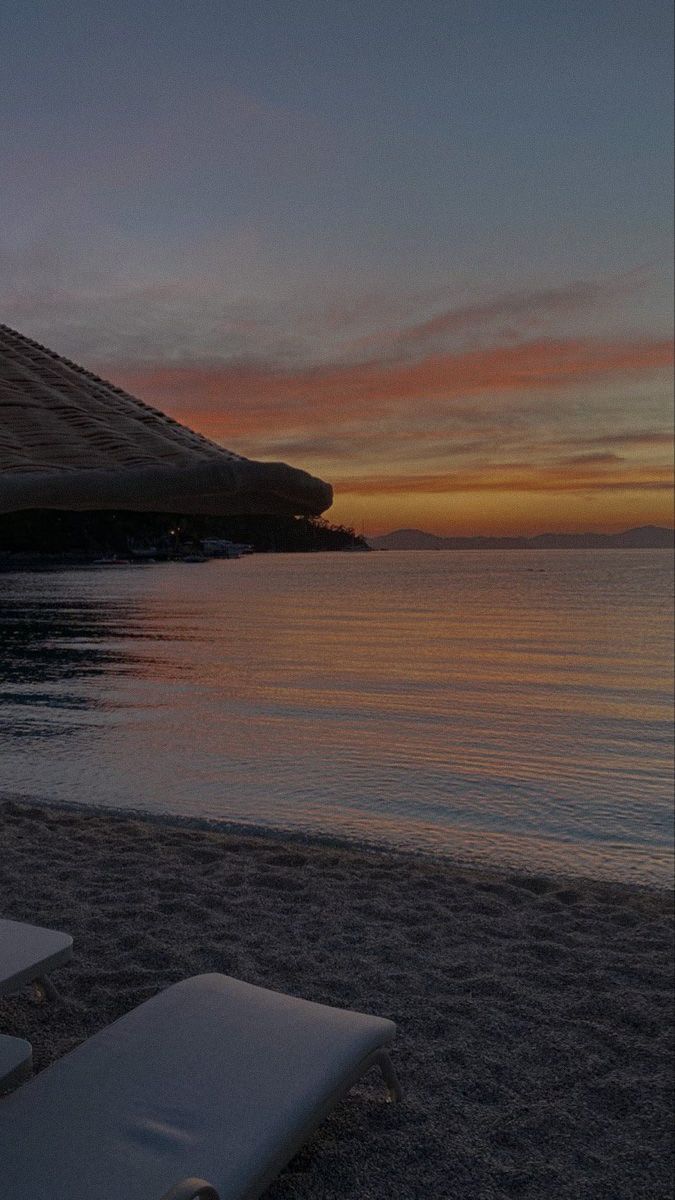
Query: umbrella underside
69, 440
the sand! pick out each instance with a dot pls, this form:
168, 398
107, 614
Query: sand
534, 1041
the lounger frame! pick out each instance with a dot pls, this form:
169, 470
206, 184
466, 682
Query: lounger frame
192, 1189
199, 1189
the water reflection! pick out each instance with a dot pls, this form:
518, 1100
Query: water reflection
466, 704
50, 642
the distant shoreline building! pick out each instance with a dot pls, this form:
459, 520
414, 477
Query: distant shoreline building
72, 441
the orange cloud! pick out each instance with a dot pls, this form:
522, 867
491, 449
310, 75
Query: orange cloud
499, 439
250, 398
516, 477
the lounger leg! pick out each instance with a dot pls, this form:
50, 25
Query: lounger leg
192, 1189
45, 989
389, 1075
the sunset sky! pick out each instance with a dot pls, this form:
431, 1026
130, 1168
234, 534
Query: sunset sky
422, 250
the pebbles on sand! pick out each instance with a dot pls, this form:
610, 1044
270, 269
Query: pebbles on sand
534, 1014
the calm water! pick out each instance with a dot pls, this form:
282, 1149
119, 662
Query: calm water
511, 706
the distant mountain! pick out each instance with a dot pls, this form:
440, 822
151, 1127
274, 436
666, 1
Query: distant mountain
646, 537
406, 539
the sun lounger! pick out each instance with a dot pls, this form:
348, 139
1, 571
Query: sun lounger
207, 1091
16, 1058
28, 953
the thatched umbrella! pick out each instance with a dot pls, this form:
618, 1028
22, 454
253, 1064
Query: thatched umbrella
69, 440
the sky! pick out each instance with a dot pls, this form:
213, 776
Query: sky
422, 250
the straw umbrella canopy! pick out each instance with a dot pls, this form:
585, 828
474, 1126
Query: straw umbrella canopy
69, 440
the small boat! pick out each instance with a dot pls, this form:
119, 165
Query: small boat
224, 548
141, 552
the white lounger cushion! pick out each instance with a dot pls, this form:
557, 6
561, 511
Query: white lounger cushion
212, 1078
28, 952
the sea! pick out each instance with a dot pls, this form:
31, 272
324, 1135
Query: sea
511, 708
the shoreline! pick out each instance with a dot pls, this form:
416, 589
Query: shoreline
327, 841
533, 1013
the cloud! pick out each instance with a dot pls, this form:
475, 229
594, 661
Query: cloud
515, 312
526, 419
591, 460
644, 437
537, 414
243, 398
509, 478
222, 297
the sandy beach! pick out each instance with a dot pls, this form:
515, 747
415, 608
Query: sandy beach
534, 1041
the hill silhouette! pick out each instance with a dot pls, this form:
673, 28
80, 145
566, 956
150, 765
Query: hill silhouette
644, 537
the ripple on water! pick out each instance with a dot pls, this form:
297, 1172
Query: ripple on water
458, 703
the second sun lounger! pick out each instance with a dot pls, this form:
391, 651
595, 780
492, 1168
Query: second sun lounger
28, 953
212, 1081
